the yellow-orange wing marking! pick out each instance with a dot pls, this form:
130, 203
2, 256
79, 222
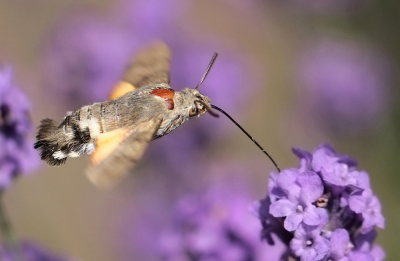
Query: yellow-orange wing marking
106, 143
121, 89
118, 151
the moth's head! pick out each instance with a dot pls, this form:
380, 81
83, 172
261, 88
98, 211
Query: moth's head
198, 104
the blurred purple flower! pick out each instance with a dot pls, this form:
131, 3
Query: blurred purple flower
84, 57
344, 86
31, 252
216, 225
340, 196
208, 219
17, 155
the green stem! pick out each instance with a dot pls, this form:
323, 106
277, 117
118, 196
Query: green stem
8, 233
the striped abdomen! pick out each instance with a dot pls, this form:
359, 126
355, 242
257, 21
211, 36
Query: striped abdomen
75, 135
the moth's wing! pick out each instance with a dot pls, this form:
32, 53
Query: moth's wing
149, 66
118, 151
120, 89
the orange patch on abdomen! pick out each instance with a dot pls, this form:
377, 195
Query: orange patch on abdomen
167, 95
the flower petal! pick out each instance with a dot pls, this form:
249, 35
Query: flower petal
311, 186
321, 245
282, 208
378, 253
287, 182
297, 246
339, 241
360, 256
324, 156
293, 221
311, 216
305, 158
309, 254
357, 203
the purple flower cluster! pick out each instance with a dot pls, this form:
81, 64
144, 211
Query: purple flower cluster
17, 155
324, 209
216, 225
31, 252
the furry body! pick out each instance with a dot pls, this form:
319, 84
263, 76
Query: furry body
76, 134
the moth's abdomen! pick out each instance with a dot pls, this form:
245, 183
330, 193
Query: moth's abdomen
91, 119
47, 142
67, 139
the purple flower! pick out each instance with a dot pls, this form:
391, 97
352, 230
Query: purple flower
344, 209
345, 86
17, 155
335, 169
369, 207
31, 252
308, 244
298, 206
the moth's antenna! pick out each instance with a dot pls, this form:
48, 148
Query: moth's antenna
214, 57
248, 135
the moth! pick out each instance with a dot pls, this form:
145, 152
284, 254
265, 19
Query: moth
142, 107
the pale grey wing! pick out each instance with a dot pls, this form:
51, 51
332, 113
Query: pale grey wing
149, 66
118, 151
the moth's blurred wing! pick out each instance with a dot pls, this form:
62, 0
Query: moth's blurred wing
149, 66
118, 151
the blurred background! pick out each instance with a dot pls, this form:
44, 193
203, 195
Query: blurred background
293, 73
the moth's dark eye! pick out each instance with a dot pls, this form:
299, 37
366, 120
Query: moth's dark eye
198, 97
193, 111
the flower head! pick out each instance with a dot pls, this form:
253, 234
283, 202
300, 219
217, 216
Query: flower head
324, 209
17, 155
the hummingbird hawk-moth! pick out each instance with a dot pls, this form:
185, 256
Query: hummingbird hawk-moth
142, 107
